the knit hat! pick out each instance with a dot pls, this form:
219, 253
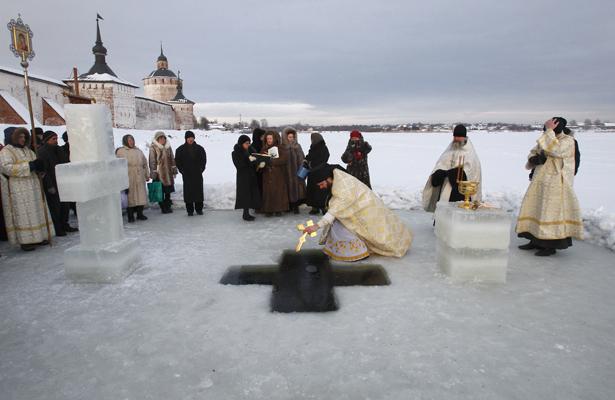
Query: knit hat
562, 124
356, 134
48, 135
158, 135
460, 131
189, 134
242, 139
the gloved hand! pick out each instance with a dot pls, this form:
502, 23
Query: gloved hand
261, 165
437, 178
538, 159
251, 158
37, 165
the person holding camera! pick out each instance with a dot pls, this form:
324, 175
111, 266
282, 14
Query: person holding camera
355, 157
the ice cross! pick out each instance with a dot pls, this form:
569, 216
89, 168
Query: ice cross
94, 179
304, 282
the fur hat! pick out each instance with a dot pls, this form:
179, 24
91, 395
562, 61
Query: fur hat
189, 134
289, 129
356, 134
460, 131
158, 135
17, 132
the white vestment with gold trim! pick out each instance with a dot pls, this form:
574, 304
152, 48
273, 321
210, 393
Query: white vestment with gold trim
22, 202
550, 209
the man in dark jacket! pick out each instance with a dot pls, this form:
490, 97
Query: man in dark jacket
190, 159
50, 155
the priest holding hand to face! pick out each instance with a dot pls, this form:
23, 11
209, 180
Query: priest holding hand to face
550, 215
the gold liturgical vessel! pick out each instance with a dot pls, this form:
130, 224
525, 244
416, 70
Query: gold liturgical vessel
467, 188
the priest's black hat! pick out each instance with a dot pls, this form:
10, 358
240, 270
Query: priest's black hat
460, 131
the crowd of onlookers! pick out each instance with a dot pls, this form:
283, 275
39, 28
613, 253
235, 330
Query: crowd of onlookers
272, 171
272, 178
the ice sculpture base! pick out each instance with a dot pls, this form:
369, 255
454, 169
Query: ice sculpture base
106, 264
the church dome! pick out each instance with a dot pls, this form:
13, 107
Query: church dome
163, 72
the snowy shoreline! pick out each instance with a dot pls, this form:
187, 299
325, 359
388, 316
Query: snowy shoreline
401, 162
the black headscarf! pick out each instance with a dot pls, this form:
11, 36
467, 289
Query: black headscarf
257, 143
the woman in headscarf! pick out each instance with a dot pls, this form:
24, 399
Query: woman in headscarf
138, 175
275, 190
316, 157
247, 194
162, 168
296, 185
355, 157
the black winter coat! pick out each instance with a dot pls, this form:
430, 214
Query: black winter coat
317, 156
190, 160
50, 156
247, 194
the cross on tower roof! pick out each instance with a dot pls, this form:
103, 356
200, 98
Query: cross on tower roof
100, 53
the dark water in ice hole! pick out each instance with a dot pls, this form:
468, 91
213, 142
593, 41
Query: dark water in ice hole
305, 281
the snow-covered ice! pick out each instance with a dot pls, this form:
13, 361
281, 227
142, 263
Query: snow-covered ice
170, 331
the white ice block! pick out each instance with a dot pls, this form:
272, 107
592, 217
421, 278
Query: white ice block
463, 265
475, 229
100, 220
90, 132
82, 181
102, 264
94, 179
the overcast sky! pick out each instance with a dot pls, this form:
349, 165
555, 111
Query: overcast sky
341, 61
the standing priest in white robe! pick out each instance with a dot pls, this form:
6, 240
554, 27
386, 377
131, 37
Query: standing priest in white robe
442, 183
23, 203
550, 215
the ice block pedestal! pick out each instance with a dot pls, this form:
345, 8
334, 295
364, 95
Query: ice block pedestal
94, 179
472, 244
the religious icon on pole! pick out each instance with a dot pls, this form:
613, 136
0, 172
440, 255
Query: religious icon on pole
21, 39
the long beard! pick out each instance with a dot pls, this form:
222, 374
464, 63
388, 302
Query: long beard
459, 145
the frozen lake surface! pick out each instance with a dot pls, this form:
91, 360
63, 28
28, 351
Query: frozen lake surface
170, 331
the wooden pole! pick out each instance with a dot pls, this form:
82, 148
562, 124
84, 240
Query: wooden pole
75, 81
24, 64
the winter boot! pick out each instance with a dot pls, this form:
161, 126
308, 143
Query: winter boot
140, 215
529, 246
28, 247
545, 252
247, 216
130, 213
